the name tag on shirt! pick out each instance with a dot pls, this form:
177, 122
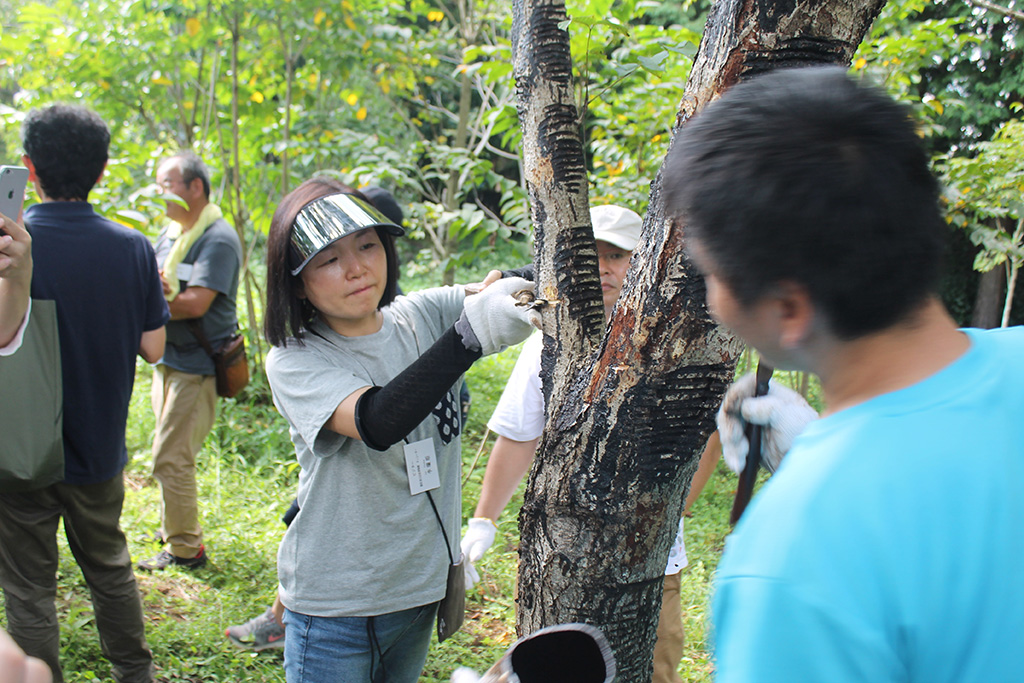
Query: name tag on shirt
184, 271
421, 465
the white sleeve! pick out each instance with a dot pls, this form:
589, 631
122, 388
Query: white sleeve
15, 343
519, 414
677, 555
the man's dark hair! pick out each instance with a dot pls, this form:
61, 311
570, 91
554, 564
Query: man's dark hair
287, 314
68, 147
192, 167
807, 176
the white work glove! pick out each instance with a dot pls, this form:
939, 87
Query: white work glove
464, 675
492, 321
478, 539
782, 414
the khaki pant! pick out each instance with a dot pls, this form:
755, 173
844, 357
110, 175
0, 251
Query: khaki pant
668, 650
28, 573
185, 406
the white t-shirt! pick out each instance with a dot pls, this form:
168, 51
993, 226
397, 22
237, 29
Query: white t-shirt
519, 416
15, 343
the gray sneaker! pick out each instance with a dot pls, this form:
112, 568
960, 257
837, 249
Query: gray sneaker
259, 633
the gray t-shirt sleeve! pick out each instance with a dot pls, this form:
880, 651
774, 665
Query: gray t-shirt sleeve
439, 307
310, 381
216, 268
307, 389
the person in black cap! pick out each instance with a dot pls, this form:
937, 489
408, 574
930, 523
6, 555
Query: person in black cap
368, 383
384, 202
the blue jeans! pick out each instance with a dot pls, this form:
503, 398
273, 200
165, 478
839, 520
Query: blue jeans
389, 648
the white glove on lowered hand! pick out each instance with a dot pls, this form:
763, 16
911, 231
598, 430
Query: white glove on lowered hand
494, 319
477, 541
464, 675
782, 414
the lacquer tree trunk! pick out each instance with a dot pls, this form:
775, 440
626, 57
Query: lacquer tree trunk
628, 413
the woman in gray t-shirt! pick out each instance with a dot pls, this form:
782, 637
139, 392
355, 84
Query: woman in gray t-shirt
369, 385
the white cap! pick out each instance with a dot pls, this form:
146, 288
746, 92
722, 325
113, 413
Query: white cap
616, 225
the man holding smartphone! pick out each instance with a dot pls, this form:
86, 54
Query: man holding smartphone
104, 281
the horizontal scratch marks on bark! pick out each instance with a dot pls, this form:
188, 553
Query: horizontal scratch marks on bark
559, 140
675, 416
549, 43
579, 287
793, 52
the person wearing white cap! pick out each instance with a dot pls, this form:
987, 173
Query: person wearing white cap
368, 383
518, 420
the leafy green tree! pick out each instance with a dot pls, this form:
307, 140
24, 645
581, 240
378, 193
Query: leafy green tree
988, 202
957, 63
628, 73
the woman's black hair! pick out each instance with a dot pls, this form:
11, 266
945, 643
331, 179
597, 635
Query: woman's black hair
288, 315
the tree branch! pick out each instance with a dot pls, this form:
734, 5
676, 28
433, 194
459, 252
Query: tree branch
998, 9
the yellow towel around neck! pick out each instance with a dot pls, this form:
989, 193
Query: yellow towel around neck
183, 241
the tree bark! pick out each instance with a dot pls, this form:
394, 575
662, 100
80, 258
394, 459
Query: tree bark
565, 254
627, 416
1012, 269
991, 286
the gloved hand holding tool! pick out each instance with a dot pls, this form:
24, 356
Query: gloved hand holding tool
781, 413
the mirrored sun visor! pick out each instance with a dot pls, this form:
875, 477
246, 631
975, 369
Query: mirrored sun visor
328, 219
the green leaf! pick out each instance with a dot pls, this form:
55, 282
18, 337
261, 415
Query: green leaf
654, 62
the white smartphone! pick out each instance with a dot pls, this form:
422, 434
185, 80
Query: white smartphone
12, 190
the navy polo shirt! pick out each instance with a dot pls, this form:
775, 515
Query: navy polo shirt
106, 285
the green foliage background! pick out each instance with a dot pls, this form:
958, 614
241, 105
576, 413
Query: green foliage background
417, 97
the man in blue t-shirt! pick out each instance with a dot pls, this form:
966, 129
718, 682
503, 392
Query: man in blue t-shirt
200, 257
887, 547
106, 287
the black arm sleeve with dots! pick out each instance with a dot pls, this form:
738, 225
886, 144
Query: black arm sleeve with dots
385, 415
525, 272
